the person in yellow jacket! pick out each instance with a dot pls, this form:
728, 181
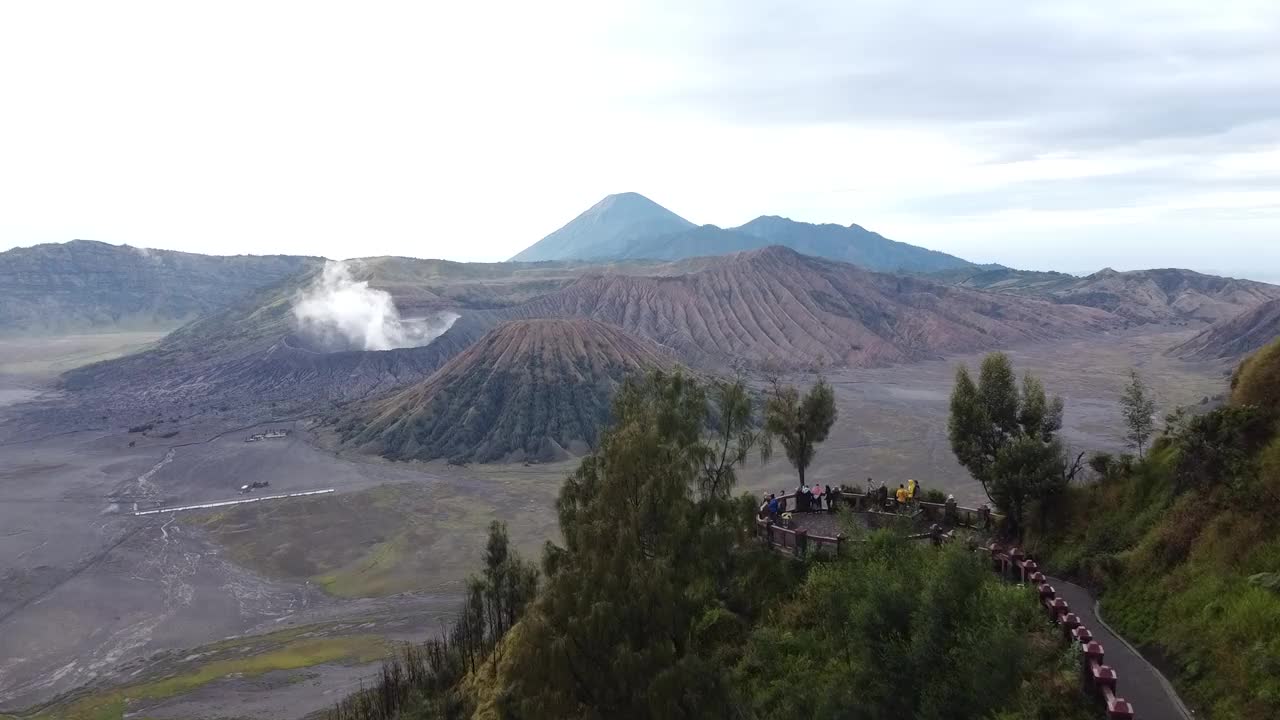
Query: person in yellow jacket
911, 490
902, 495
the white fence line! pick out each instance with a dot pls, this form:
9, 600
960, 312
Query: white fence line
204, 506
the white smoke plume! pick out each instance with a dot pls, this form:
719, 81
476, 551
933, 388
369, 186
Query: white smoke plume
339, 313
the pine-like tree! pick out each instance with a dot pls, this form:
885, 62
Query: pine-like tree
1139, 410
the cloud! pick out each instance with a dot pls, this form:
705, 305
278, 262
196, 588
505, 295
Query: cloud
1057, 76
336, 312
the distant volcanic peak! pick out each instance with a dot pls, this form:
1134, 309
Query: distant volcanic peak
605, 230
630, 202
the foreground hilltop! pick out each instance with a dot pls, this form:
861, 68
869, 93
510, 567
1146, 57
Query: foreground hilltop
86, 285
630, 225
528, 390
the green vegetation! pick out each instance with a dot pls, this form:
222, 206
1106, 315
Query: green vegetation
902, 630
424, 680
1139, 410
287, 650
660, 603
1008, 439
380, 541
1185, 546
798, 422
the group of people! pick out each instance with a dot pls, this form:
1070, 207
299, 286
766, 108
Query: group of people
824, 498
906, 495
816, 498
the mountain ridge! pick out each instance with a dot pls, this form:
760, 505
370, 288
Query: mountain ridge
607, 232
1234, 337
775, 305
87, 285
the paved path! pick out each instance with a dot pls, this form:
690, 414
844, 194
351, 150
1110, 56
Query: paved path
1152, 696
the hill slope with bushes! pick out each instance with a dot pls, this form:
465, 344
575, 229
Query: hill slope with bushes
1185, 546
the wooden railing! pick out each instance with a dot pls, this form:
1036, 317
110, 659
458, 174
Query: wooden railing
1099, 679
799, 542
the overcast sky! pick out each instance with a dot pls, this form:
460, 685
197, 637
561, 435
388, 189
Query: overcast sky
1064, 135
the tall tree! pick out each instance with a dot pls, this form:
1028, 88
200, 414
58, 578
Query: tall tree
1139, 408
1007, 437
626, 622
798, 422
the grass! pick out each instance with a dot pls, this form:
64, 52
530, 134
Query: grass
40, 357
389, 539
1174, 574
295, 652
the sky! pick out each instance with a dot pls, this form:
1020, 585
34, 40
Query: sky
1068, 135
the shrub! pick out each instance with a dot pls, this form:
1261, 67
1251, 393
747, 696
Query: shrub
1101, 463
1257, 381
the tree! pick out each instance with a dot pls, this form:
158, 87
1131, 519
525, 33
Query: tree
634, 603
1139, 408
1007, 438
798, 422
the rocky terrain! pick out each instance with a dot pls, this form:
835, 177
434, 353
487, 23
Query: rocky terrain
768, 307
777, 307
630, 225
1145, 296
83, 285
1234, 337
528, 390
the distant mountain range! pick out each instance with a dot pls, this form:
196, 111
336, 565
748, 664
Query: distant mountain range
84, 285
1163, 295
630, 225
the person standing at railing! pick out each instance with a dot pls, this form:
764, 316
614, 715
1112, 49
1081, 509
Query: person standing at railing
902, 496
882, 496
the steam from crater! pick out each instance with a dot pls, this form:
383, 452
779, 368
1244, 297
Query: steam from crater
339, 313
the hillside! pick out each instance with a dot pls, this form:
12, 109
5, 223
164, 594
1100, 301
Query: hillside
528, 390
1162, 295
249, 356
84, 285
1185, 546
768, 307
632, 226
777, 306
1234, 337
